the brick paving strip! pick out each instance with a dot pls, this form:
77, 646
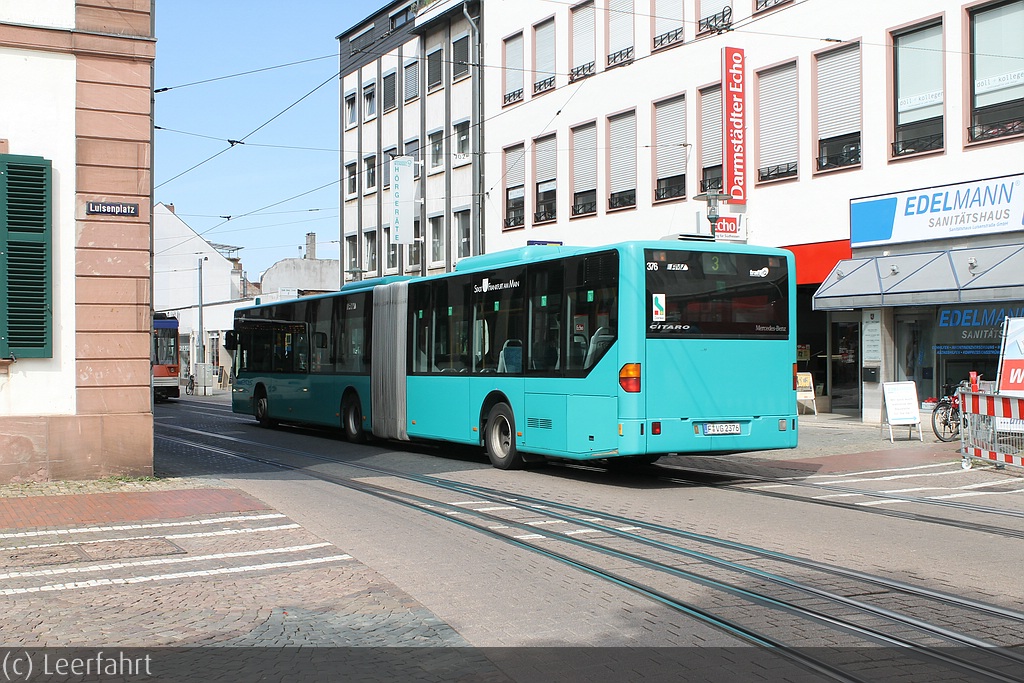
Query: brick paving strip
107, 508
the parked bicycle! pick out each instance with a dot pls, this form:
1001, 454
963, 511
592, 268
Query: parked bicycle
946, 417
190, 386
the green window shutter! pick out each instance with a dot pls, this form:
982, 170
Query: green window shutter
26, 269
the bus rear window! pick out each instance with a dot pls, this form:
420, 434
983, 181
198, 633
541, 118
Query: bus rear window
716, 295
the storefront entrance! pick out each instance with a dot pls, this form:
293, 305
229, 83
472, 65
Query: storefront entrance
915, 359
845, 363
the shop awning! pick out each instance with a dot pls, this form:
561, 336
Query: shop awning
935, 277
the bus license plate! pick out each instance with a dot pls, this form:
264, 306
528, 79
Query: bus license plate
711, 428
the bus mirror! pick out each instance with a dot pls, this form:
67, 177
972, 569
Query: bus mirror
320, 340
230, 340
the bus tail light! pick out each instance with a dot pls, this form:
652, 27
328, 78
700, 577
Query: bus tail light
655, 428
629, 378
794, 377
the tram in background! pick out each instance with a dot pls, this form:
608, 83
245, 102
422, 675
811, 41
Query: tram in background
165, 360
587, 353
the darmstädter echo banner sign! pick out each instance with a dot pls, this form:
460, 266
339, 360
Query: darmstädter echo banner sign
734, 122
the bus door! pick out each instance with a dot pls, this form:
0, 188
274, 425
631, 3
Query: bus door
276, 354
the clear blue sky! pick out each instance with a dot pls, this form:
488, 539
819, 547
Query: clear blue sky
199, 40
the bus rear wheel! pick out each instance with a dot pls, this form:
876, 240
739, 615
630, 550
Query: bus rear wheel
352, 419
262, 411
500, 438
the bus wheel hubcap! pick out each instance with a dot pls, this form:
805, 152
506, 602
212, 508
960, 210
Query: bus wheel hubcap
501, 437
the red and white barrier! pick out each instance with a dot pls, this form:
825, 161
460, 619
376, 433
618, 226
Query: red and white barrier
992, 429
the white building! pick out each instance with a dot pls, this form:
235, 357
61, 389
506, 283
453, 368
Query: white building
182, 263
603, 120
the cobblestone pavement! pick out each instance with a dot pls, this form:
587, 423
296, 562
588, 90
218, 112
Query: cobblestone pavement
145, 563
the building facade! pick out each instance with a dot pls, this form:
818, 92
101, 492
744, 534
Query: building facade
606, 120
199, 283
75, 239
409, 86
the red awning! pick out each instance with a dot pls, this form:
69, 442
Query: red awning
815, 261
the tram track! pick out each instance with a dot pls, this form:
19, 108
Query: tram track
741, 483
855, 619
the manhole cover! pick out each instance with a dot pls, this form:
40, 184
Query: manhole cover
33, 557
120, 550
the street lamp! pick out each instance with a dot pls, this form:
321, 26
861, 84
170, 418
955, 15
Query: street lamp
713, 199
202, 346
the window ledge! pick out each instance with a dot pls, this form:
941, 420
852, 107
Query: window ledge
628, 207
668, 200
5, 364
917, 155
1015, 137
836, 169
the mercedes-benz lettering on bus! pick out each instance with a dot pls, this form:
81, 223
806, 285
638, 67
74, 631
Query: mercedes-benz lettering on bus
632, 350
165, 356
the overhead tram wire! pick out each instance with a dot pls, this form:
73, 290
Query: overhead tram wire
241, 141
243, 73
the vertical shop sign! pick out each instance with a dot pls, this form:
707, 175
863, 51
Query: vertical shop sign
734, 120
871, 336
402, 199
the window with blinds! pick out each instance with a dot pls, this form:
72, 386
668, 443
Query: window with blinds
778, 132
997, 89
412, 81
544, 56
389, 85
918, 96
515, 186
369, 101
711, 139
435, 73
620, 32
460, 57
839, 104
668, 23
622, 160
584, 170
385, 166
545, 160
513, 69
26, 269
583, 41
670, 148
351, 110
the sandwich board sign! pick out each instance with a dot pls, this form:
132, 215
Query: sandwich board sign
902, 407
805, 389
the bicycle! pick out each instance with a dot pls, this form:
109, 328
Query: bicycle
190, 386
946, 416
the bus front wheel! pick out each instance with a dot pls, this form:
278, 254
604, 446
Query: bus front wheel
262, 411
352, 419
500, 438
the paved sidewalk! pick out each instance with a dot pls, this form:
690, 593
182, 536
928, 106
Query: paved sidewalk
184, 562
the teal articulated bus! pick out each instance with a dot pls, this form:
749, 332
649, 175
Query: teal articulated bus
633, 350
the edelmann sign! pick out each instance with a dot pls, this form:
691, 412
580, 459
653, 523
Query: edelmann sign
947, 211
734, 121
